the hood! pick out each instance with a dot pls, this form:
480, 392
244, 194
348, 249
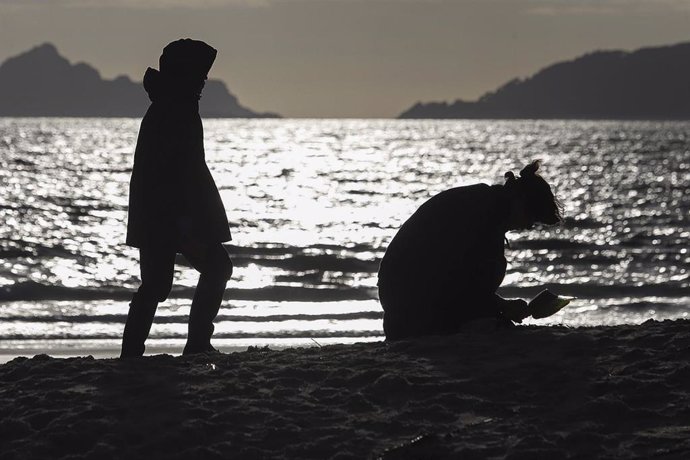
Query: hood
187, 58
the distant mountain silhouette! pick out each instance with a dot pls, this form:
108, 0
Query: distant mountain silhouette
40, 82
650, 83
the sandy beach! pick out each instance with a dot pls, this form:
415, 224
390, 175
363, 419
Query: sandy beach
530, 392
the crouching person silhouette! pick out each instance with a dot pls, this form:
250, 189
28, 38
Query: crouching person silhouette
174, 205
443, 267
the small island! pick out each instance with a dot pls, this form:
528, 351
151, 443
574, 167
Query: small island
650, 83
42, 83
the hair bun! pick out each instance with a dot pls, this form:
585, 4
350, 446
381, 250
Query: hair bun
531, 169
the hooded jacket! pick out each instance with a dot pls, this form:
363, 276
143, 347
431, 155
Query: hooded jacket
172, 193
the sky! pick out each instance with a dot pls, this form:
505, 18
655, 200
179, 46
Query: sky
344, 58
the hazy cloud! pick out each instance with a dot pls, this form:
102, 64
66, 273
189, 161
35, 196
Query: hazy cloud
601, 7
145, 4
537, 7
198, 4
206, 4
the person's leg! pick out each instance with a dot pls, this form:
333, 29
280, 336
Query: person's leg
157, 269
393, 320
404, 314
215, 268
438, 309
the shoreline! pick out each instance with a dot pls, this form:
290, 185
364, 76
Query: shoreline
104, 348
110, 348
532, 391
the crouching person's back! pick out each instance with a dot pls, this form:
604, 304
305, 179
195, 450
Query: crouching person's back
443, 267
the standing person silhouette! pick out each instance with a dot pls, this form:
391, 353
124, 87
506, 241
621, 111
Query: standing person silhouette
443, 267
174, 205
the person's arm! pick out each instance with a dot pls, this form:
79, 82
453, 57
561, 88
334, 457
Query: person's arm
176, 167
189, 152
487, 277
158, 171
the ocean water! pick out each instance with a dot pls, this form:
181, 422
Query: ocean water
313, 204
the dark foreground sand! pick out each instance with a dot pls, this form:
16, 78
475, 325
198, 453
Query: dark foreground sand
531, 392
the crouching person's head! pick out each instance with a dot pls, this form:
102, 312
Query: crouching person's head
531, 199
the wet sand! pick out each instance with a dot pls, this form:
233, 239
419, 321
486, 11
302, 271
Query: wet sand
529, 392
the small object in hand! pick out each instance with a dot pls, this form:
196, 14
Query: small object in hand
546, 304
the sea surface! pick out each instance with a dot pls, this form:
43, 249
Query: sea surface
313, 205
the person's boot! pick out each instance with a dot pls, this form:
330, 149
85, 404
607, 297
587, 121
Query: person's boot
205, 306
138, 326
199, 342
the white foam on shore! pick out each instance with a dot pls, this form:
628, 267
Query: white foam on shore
109, 348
